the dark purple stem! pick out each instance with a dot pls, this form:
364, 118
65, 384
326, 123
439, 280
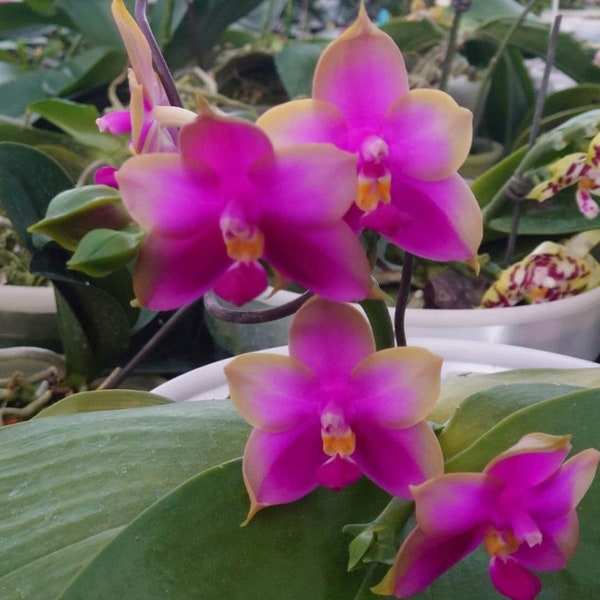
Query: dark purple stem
403, 291
160, 65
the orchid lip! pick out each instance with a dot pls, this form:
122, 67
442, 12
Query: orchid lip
244, 242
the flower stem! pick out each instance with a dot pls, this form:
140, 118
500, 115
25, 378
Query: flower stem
381, 323
162, 70
459, 8
403, 291
216, 309
517, 189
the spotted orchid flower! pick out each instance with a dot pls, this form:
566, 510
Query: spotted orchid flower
228, 202
409, 144
150, 119
335, 409
521, 508
581, 169
551, 272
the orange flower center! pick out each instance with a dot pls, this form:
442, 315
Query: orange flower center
500, 543
244, 242
374, 180
338, 438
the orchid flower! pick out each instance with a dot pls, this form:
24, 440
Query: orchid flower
580, 168
228, 201
552, 271
150, 118
335, 409
409, 143
521, 508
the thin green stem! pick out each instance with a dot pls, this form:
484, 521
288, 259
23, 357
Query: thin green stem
451, 47
381, 323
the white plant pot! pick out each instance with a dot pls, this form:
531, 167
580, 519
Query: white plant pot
570, 326
28, 316
208, 382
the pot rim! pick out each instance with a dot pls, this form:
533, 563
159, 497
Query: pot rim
27, 299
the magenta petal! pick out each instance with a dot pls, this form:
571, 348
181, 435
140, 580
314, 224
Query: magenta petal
563, 491
529, 467
163, 196
273, 393
362, 73
171, 272
422, 559
106, 176
397, 387
559, 541
428, 134
242, 282
282, 467
330, 338
302, 122
310, 185
117, 122
395, 459
513, 580
226, 145
338, 472
343, 272
469, 497
439, 220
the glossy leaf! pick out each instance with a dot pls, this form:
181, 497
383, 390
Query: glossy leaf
295, 66
97, 400
480, 412
93, 326
79, 121
414, 36
456, 389
19, 16
191, 545
69, 483
25, 198
102, 251
75, 212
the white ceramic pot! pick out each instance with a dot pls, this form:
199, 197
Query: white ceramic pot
570, 326
28, 317
208, 382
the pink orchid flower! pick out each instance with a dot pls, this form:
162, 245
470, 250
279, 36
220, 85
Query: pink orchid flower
522, 508
228, 201
150, 119
335, 409
410, 144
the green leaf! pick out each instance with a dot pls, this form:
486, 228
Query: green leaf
94, 327
295, 66
79, 121
20, 16
75, 212
483, 410
414, 36
97, 400
532, 38
23, 196
191, 545
102, 251
89, 70
70, 483
456, 389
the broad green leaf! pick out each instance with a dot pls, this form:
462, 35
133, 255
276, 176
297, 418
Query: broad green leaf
456, 389
89, 70
69, 483
295, 66
20, 16
191, 545
97, 400
101, 251
483, 410
93, 326
79, 121
532, 38
75, 212
483, 10
23, 195
414, 36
